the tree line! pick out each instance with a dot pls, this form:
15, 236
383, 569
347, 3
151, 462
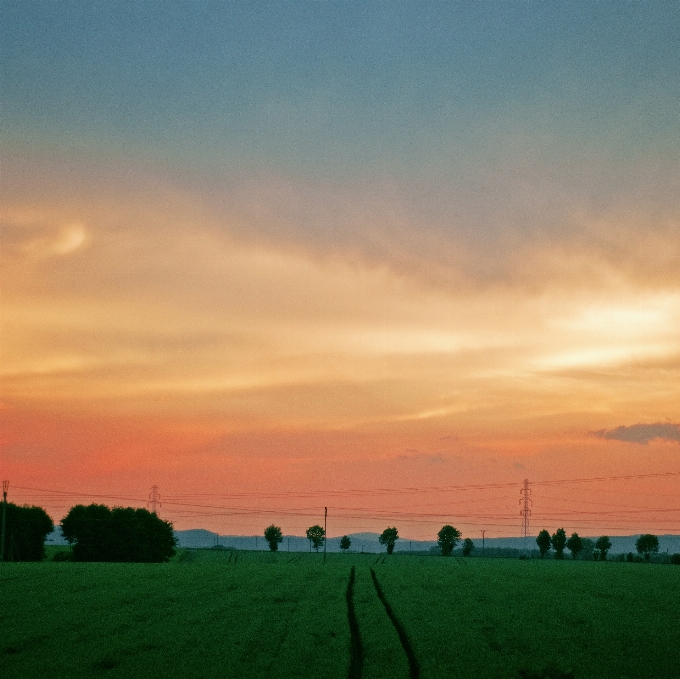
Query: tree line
646, 545
94, 532
447, 538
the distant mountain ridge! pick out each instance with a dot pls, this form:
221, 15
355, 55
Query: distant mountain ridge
368, 542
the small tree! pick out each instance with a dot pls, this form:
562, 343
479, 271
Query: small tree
345, 543
273, 535
647, 544
447, 539
602, 546
468, 546
388, 537
316, 535
574, 545
543, 542
559, 542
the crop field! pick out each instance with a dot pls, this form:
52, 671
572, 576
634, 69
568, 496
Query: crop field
256, 614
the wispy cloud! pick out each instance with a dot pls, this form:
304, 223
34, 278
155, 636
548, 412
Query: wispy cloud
642, 433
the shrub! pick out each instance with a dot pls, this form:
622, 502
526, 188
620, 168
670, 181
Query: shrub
675, 559
121, 534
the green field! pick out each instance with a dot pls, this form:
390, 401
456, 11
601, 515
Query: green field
208, 614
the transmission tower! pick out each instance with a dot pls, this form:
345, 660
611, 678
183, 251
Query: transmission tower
526, 503
154, 503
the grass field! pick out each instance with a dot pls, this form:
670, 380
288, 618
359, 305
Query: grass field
255, 614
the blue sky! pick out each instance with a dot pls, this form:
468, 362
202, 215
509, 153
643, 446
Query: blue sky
332, 88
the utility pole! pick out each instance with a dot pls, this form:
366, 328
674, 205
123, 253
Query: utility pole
484, 531
325, 517
154, 503
525, 512
5, 488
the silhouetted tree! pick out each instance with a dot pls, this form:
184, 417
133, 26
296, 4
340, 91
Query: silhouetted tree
273, 536
468, 546
647, 544
574, 545
316, 535
121, 534
543, 542
388, 537
25, 531
345, 543
602, 546
559, 542
447, 539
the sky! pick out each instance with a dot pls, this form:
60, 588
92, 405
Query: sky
388, 258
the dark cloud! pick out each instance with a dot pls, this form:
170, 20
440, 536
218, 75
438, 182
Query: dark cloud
642, 433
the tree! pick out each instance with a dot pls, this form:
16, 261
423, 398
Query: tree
273, 535
316, 535
25, 531
468, 546
602, 546
447, 539
388, 537
121, 534
543, 542
574, 545
647, 544
345, 543
559, 542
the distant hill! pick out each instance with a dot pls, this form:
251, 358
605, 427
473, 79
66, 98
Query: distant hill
368, 542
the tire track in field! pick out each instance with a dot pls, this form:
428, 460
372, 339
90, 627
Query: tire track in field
356, 651
414, 669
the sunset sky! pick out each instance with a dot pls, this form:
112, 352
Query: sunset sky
389, 258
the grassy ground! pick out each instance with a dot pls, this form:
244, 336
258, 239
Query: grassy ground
210, 614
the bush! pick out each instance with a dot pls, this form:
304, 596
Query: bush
675, 559
25, 531
121, 534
